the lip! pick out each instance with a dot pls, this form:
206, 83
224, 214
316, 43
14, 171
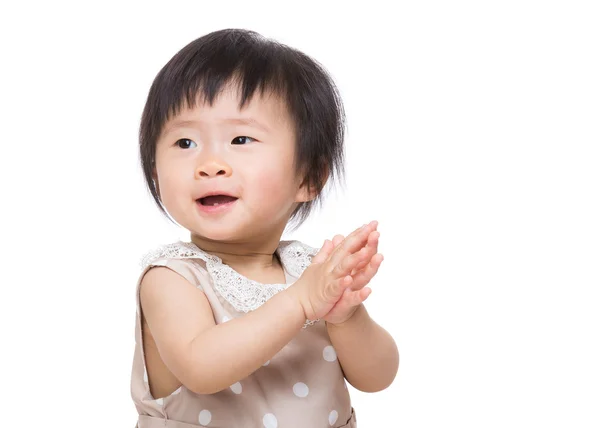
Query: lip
215, 192
215, 209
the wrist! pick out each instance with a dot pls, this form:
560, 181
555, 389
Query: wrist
358, 317
295, 301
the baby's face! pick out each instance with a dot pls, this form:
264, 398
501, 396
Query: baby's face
226, 174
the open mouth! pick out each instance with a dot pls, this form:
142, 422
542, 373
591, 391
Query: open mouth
216, 200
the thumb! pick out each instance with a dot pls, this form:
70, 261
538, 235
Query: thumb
324, 252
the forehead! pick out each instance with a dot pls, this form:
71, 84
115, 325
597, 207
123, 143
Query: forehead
267, 112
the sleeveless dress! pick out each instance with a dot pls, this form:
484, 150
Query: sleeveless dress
302, 386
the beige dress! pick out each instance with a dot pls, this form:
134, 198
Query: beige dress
302, 386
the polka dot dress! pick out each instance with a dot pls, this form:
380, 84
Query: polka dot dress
300, 386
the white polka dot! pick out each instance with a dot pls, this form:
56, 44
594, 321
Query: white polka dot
204, 417
329, 354
225, 319
177, 391
301, 390
270, 421
333, 417
266, 364
236, 388
159, 401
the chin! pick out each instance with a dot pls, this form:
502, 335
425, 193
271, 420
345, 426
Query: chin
220, 234
217, 236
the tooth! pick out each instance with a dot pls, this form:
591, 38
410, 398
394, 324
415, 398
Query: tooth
215, 204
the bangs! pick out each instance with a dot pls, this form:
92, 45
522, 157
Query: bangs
201, 73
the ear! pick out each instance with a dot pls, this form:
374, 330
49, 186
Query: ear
308, 193
304, 194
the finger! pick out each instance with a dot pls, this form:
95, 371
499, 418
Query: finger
373, 239
363, 277
352, 243
353, 298
372, 245
340, 286
349, 263
324, 252
354, 263
365, 293
337, 240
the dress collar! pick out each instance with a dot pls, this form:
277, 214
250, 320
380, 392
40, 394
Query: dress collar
242, 293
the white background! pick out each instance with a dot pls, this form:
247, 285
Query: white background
473, 138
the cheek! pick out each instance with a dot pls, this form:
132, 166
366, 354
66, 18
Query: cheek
272, 174
171, 190
273, 184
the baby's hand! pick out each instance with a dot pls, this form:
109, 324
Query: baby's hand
322, 284
366, 269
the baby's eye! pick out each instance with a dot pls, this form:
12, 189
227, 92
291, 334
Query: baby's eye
242, 140
184, 139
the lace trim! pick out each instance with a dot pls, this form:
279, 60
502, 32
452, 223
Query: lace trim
242, 293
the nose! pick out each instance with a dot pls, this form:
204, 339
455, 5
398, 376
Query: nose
213, 168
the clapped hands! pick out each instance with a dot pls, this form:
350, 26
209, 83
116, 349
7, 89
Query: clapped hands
335, 284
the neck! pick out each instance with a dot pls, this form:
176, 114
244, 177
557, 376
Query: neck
252, 259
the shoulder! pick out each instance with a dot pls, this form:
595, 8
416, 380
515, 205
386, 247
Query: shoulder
170, 288
158, 280
161, 281
180, 258
174, 251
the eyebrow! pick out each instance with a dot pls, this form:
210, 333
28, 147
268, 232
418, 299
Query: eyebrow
236, 121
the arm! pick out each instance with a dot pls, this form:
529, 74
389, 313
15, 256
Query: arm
206, 357
367, 353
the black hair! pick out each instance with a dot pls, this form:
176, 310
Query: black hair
206, 65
